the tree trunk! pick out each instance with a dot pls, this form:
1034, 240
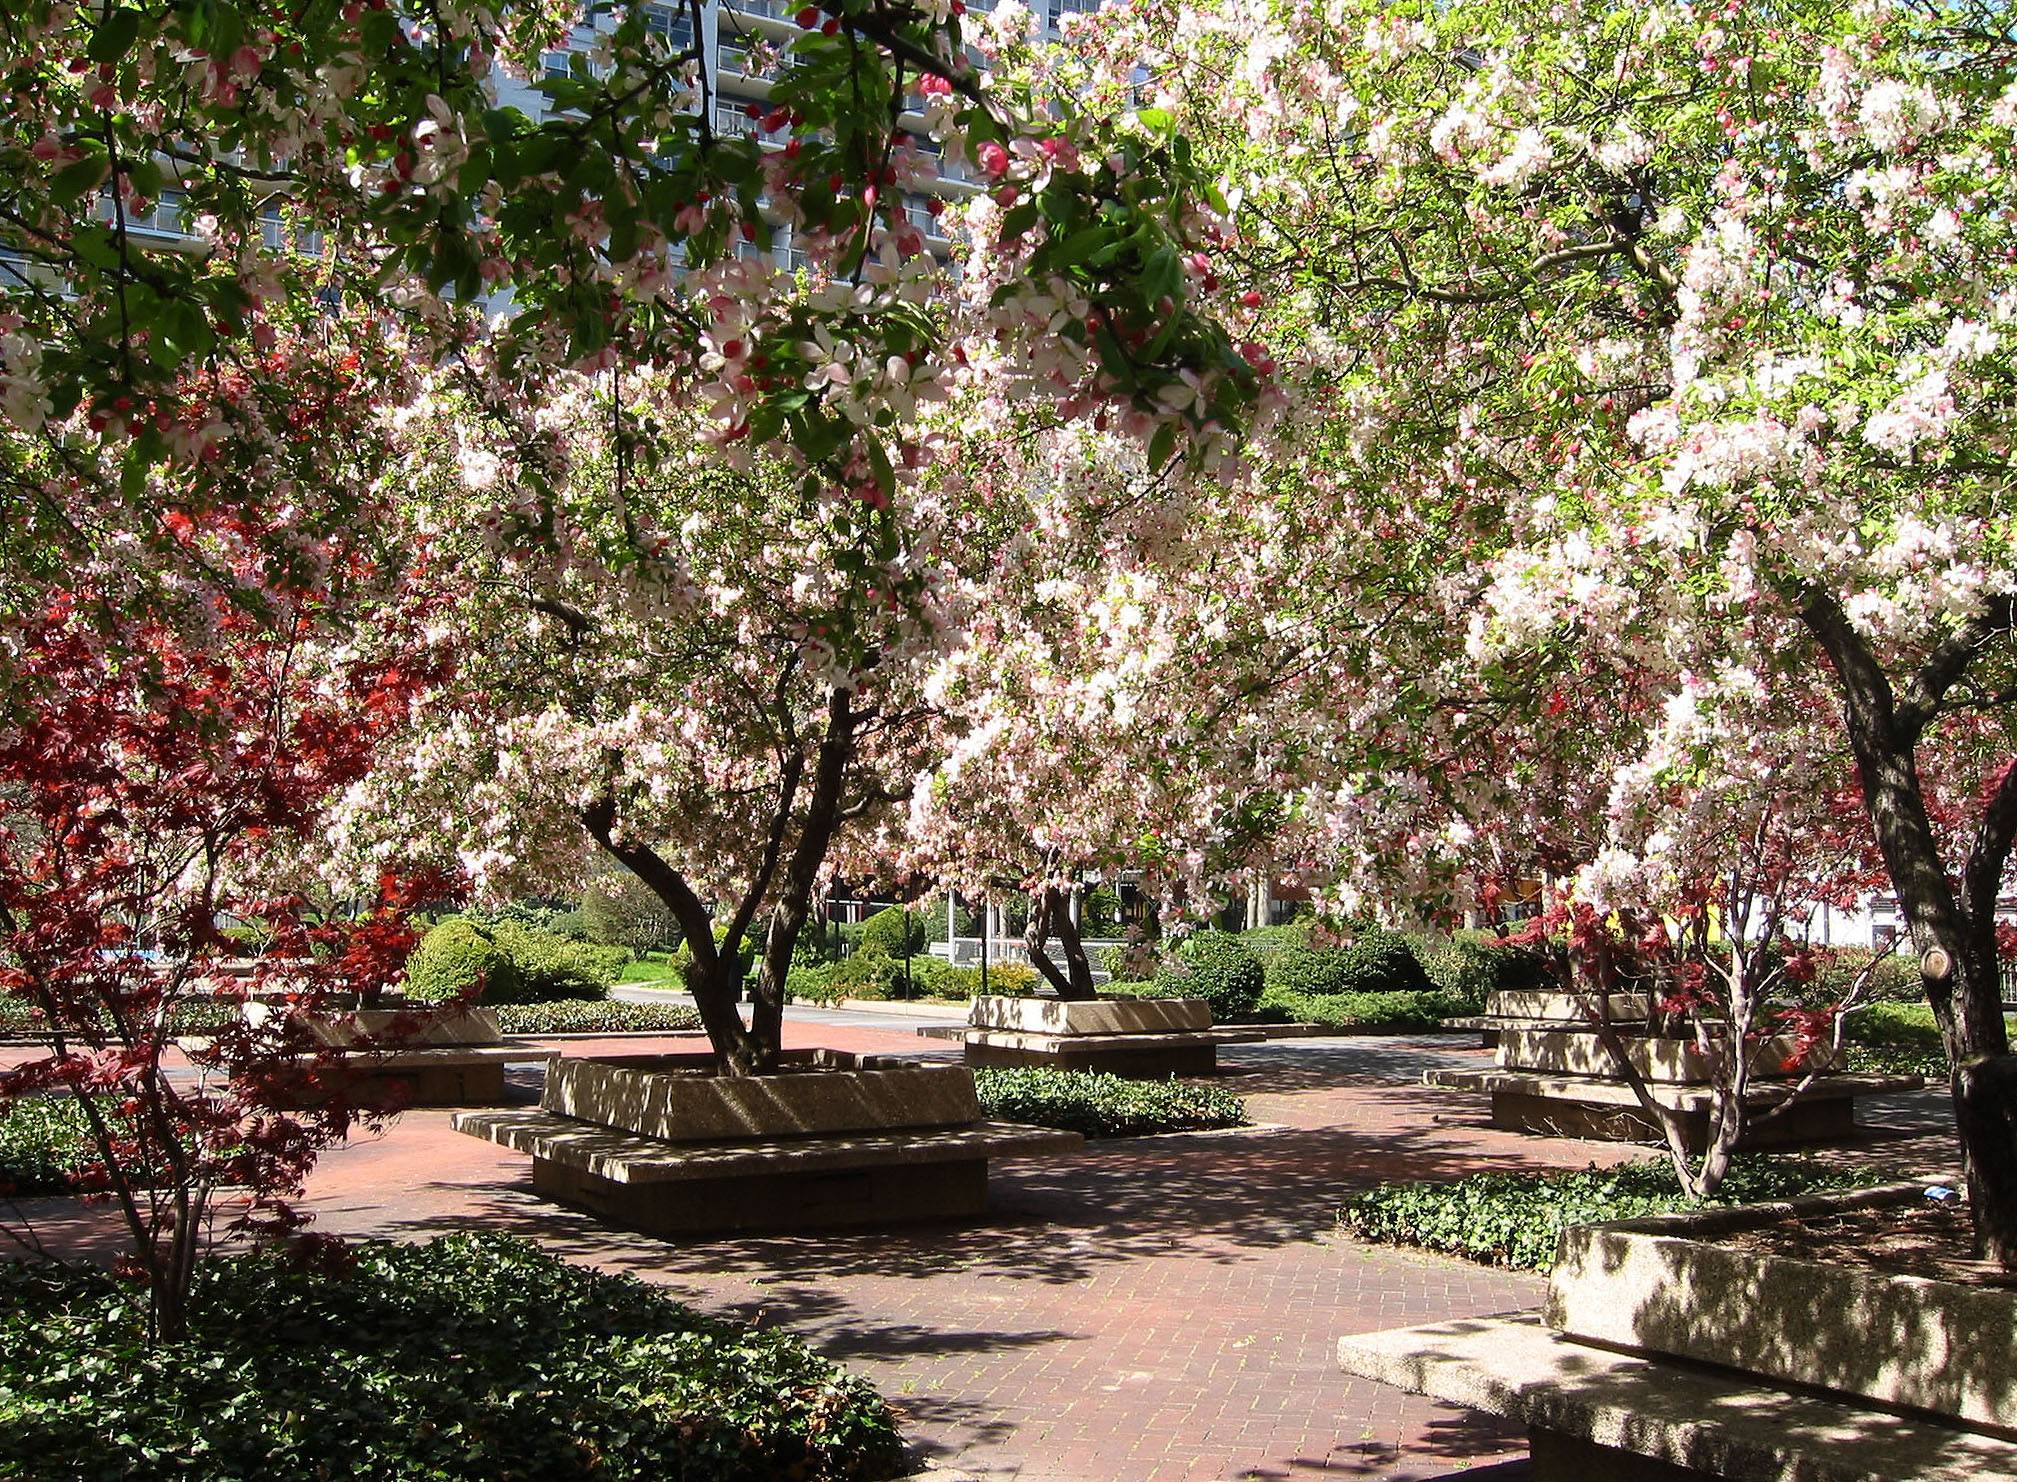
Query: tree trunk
1966, 996
1050, 911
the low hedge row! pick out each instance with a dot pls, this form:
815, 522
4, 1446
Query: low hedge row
876, 975
472, 1356
1415, 1012
1516, 1219
19, 1018
595, 1016
1101, 1105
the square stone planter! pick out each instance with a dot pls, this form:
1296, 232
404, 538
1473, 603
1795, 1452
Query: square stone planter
668, 1145
1566, 1008
1668, 1285
1668, 1061
403, 1054
1148, 1038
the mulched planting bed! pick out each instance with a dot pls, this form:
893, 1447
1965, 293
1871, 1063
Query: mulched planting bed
1929, 1239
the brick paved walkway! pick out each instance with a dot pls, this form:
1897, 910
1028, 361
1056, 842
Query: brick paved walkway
1154, 1309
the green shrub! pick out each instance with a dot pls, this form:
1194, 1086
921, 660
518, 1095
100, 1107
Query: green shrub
44, 1142
1217, 967
510, 963
1010, 980
471, 1356
1100, 1105
1466, 968
1361, 1013
1894, 1024
1121, 988
889, 929
456, 959
1896, 979
1379, 961
595, 1016
250, 940
1265, 941
619, 910
1516, 1219
1100, 912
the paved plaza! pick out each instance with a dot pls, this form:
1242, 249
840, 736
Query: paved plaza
1151, 1309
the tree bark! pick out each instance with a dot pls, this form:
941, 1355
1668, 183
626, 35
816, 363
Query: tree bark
1966, 997
808, 858
1049, 911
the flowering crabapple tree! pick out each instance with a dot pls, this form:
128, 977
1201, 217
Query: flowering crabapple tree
367, 152
704, 676
1699, 321
152, 790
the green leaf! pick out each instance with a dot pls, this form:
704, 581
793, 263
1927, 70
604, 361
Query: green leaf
79, 177
1162, 276
115, 36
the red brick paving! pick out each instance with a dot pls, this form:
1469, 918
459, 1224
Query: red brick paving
1156, 1309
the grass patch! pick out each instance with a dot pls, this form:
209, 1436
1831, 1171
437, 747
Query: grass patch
595, 1016
652, 970
1516, 1219
472, 1356
1101, 1105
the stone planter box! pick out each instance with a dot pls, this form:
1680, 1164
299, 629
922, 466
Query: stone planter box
1149, 1038
1664, 1356
404, 1054
1090, 1016
1669, 1061
677, 1099
396, 1026
1567, 1008
667, 1145
1666, 1286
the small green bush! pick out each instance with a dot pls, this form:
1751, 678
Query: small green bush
1100, 912
1217, 967
595, 1016
508, 962
1380, 961
468, 1357
44, 1142
1894, 1024
1100, 1105
889, 929
1517, 1219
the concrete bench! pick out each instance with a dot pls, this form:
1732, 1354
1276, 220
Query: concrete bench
1606, 1110
1594, 1415
663, 1145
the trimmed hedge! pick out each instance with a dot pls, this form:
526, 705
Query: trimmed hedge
1101, 1105
472, 1356
1374, 1013
1517, 1219
875, 975
595, 1016
510, 963
1217, 967
19, 1018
